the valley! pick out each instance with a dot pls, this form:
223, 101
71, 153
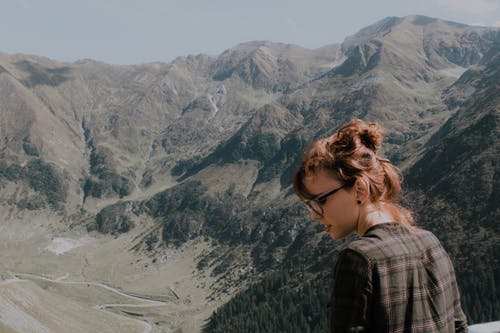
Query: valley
157, 197
110, 292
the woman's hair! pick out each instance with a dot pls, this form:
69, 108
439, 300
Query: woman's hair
350, 156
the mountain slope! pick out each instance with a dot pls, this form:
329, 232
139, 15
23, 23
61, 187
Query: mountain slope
459, 174
165, 156
399, 75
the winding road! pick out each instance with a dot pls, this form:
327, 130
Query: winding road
151, 301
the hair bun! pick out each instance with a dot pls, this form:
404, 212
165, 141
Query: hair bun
354, 136
370, 135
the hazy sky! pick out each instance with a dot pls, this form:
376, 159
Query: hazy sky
137, 31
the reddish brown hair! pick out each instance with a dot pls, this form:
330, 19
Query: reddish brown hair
350, 156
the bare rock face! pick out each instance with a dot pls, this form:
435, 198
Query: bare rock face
109, 126
206, 146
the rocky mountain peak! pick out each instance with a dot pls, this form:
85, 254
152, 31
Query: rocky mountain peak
205, 147
368, 33
419, 43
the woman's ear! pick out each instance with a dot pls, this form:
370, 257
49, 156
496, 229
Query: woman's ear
361, 190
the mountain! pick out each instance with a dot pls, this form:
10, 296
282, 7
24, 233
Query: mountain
456, 182
186, 166
397, 73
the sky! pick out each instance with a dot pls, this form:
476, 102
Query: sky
139, 31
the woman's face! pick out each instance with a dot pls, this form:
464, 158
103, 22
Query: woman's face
340, 210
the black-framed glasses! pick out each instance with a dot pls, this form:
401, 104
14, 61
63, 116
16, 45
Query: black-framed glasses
316, 205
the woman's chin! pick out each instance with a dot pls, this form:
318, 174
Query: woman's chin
335, 234
329, 230
332, 234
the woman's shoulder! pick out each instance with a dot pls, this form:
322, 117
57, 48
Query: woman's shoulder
391, 240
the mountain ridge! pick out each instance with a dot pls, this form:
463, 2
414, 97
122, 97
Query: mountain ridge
204, 147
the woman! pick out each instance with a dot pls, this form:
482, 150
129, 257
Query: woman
396, 277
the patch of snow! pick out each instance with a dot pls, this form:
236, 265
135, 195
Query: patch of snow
491, 327
214, 105
61, 245
454, 72
338, 62
218, 99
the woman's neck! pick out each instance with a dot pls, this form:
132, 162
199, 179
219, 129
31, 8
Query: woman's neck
371, 215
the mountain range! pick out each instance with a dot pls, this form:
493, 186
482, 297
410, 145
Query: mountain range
203, 150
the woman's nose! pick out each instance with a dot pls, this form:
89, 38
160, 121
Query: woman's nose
314, 216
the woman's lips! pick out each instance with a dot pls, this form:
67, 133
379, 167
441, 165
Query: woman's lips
328, 228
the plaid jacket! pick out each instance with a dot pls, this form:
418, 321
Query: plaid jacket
392, 280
